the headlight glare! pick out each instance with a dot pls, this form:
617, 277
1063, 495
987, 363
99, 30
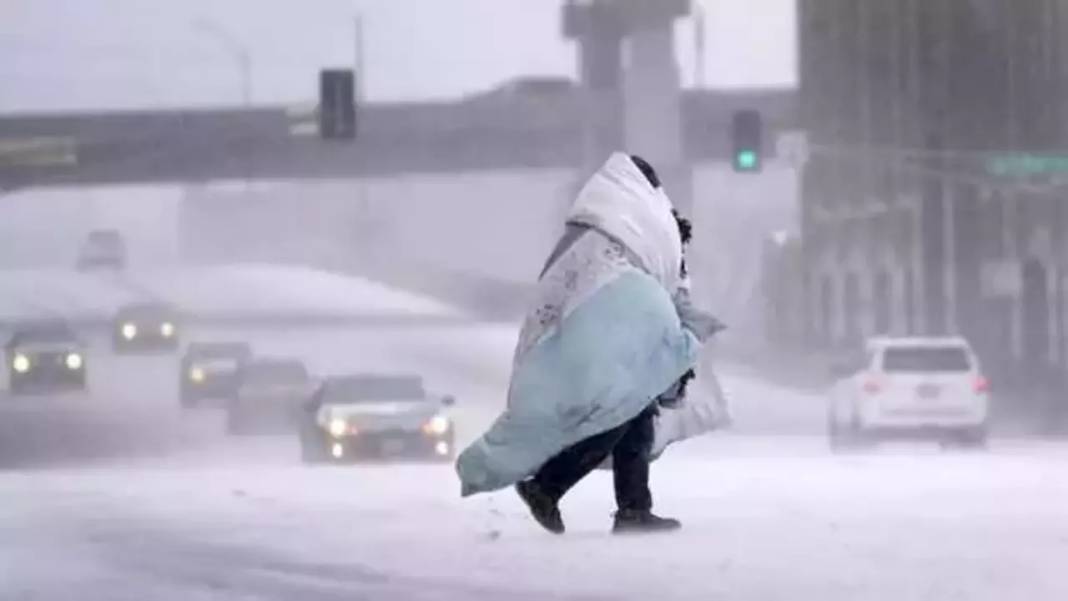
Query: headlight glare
338, 427
197, 374
166, 329
129, 331
438, 425
74, 361
21, 363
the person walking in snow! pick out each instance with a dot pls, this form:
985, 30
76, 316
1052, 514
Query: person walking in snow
612, 336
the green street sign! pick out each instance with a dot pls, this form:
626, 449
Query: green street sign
1024, 165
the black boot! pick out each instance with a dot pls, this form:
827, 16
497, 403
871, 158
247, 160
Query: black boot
633, 521
541, 505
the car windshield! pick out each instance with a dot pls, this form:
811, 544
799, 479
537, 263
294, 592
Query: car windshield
146, 312
235, 351
43, 337
373, 389
218, 363
926, 359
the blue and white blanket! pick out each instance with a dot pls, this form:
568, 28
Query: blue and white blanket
603, 338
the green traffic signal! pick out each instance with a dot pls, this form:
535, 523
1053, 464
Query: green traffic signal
746, 141
746, 160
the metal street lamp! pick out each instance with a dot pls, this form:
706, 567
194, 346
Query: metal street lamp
236, 48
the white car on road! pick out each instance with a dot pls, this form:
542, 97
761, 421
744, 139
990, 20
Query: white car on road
910, 388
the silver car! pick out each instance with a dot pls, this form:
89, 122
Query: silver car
376, 416
269, 397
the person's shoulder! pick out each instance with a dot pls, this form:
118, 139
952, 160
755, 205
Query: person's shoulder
642, 291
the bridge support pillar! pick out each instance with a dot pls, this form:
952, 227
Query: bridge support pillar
627, 57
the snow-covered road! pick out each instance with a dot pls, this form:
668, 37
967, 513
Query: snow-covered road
765, 518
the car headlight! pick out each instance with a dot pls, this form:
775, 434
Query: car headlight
337, 451
74, 361
438, 425
166, 329
129, 331
21, 363
338, 427
197, 374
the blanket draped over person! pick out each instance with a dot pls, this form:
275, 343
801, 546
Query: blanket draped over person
604, 336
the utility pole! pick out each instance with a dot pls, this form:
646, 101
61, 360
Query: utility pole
699, 43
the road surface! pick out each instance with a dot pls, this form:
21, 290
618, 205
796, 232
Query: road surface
766, 517
120, 495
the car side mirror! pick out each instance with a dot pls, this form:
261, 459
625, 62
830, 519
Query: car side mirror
313, 400
448, 400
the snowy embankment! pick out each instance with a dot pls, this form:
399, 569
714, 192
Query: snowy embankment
231, 292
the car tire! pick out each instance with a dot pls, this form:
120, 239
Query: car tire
837, 438
311, 453
970, 438
312, 443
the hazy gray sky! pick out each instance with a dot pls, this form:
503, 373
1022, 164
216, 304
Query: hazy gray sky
98, 54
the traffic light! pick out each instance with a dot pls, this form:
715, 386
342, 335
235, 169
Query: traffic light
747, 136
337, 104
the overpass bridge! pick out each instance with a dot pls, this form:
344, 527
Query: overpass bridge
635, 103
488, 132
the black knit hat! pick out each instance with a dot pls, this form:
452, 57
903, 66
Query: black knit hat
685, 227
647, 170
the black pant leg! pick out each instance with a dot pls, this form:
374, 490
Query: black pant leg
630, 463
572, 464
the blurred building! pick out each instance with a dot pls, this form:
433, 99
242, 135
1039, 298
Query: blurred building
919, 215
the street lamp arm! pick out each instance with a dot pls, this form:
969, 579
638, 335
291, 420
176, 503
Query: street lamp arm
236, 48
232, 43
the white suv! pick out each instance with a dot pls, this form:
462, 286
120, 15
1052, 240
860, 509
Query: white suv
910, 388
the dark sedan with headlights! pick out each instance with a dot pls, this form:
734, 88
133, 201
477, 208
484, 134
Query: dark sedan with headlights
145, 328
376, 416
45, 359
269, 396
210, 371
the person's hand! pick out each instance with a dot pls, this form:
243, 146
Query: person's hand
674, 396
703, 325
